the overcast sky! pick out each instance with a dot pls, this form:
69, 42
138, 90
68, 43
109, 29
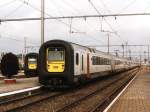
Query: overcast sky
134, 30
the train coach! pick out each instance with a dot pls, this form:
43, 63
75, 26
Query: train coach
30, 64
65, 63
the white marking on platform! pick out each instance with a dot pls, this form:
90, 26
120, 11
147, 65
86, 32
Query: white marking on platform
108, 107
19, 91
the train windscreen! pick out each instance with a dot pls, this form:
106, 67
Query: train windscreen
56, 54
32, 61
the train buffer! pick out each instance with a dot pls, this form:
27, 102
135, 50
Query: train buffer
135, 98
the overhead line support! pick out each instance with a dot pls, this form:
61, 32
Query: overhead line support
73, 17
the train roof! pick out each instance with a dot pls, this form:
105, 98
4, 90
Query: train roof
92, 50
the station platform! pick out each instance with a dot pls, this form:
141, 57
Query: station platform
19, 75
136, 98
22, 83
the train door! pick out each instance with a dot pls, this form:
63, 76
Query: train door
112, 64
88, 66
77, 65
82, 64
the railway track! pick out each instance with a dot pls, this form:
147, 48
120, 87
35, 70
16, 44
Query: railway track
109, 97
13, 103
22, 101
71, 99
21, 96
69, 107
4, 97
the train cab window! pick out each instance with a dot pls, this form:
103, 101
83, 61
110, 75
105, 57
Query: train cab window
77, 59
56, 54
32, 61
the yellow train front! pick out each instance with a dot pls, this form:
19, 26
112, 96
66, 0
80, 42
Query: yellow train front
55, 59
55, 63
30, 67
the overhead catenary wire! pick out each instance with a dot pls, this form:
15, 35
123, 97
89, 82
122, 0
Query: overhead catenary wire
27, 3
74, 17
147, 7
64, 5
127, 6
10, 37
105, 6
71, 6
113, 30
83, 16
132, 45
57, 8
76, 10
103, 18
108, 10
76, 30
62, 18
13, 11
92, 37
7, 3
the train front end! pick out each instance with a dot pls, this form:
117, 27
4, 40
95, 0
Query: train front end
32, 63
30, 67
56, 63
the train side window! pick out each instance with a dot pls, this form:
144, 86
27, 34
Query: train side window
101, 61
97, 60
104, 61
94, 60
77, 59
108, 62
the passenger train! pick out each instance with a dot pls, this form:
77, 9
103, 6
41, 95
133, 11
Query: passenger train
30, 65
65, 63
